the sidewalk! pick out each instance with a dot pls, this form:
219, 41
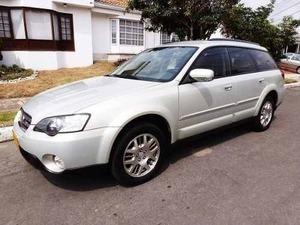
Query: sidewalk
12, 104
9, 105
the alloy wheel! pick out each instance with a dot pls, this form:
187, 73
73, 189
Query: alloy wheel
266, 114
141, 155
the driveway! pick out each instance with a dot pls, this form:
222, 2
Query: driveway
231, 176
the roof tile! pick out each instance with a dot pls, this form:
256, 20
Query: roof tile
120, 3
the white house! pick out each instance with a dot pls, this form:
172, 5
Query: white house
287, 8
51, 34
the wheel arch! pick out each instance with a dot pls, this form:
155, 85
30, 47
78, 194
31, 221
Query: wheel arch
274, 95
271, 91
153, 118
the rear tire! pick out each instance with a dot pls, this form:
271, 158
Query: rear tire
265, 115
138, 154
298, 70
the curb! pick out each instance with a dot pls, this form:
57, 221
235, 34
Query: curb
6, 134
292, 85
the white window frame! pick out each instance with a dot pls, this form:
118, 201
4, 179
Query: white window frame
134, 41
170, 37
116, 32
163, 38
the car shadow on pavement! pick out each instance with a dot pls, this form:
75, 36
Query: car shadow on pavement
98, 177
85, 179
207, 140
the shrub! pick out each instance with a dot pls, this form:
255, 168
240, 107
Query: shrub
13, 72
120, 62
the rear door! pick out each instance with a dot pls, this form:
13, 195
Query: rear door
251, 69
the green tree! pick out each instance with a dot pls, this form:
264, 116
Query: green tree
246, 23
191, 19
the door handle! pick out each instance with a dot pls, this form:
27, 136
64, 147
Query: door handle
228, 87
261, 80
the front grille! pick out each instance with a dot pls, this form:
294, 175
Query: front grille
25, 120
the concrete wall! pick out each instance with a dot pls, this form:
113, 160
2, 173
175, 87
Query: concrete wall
101, 31
83, 54
102, 45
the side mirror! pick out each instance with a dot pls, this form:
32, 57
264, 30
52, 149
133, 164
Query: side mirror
203, 75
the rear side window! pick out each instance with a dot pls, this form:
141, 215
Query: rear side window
263, 60
296, 57
214, 59
241, 61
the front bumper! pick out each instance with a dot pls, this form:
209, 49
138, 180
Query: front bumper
76, 150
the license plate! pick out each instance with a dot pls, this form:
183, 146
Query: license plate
16, 139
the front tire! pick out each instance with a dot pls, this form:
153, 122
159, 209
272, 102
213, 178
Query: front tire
265, 115
138, 154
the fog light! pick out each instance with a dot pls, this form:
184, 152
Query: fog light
59, 162
53, 163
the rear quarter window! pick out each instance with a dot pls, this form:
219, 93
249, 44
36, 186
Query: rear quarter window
263, 60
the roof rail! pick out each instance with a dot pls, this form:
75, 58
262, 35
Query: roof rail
236, 40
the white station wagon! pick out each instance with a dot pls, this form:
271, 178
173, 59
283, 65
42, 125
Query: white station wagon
128, 119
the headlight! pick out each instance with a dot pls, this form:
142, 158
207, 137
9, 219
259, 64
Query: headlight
62, 124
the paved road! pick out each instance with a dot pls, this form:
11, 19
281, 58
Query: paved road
233, 176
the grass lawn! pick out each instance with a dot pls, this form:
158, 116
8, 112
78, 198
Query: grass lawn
290, 81
51, 78
6, 118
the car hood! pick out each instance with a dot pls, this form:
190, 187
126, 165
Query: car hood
71, 98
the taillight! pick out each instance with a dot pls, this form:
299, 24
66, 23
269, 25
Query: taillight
282, 74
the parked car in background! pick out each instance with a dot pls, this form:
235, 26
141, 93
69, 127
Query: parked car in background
129, 118
291, 61
288, 54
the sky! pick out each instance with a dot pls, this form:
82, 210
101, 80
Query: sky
255, 3
282, 8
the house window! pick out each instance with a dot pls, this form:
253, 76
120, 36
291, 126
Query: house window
38, 24
55, 27
65, 27
18, 24
5, 24
165, 38
131, 32
36, 29
114, 32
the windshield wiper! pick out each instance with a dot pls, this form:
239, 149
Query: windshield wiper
110, 75
123, 76
129, 77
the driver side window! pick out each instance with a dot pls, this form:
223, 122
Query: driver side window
214, 59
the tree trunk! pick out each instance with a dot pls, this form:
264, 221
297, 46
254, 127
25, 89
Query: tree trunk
192, 32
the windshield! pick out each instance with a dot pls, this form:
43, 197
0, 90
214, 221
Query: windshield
157, 64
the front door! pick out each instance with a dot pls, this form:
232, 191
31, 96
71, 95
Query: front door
206, 105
